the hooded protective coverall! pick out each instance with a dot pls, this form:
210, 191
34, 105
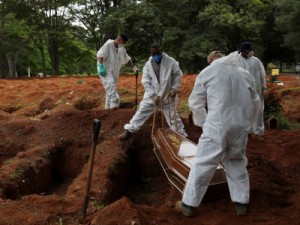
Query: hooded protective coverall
169, 77
254, 66
232, 106
114, 58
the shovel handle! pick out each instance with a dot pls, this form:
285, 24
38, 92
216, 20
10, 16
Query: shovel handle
136, 87
96, 129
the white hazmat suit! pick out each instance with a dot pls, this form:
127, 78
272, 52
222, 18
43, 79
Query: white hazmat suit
113, 58
232, 107
254, 66
169, 78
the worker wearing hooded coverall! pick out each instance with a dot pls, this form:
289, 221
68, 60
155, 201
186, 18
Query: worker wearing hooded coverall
254, 66
161, 77
111, 56
233, 105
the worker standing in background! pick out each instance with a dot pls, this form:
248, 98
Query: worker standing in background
254, 66
161, 80
110, 57
233, 105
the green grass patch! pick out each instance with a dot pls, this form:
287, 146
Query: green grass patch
183, 108
79, 81
18, 173
284, 123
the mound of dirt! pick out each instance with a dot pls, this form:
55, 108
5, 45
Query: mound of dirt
44, 163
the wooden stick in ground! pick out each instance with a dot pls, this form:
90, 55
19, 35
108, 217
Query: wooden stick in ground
136, 89
96, 130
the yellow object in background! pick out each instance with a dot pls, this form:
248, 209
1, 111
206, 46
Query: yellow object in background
275, 72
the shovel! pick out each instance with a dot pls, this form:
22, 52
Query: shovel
96, 130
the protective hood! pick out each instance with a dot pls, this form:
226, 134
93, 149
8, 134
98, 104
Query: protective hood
231, 59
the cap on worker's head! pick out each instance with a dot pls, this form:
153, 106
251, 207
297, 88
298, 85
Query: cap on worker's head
124, 37
214, 55
245, 46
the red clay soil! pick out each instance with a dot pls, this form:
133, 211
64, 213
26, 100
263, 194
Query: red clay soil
46, 133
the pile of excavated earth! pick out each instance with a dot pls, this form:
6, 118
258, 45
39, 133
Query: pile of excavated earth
46, 138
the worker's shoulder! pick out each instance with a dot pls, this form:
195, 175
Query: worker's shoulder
208, 71
148, 61
106, 45
169, 58
255, 59
166, 55
108, 42
244, 74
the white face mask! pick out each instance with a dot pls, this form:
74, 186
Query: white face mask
120, 45
251, 53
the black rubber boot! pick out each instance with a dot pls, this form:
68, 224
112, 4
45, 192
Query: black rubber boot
125, 136
241, 209
185, 209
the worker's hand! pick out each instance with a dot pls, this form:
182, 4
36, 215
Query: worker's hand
265, 92
157, 100
101, 70
135, 69
172, 93
190, 119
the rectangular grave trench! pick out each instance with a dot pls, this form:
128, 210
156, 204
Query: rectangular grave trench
52, 173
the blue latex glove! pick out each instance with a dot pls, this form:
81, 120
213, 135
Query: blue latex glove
101, 70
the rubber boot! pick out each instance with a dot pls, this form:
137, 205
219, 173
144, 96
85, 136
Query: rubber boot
185, 209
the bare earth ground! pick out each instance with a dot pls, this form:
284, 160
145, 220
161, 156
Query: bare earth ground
46, 132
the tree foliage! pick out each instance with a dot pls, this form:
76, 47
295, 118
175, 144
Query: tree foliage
62, 37
288, 16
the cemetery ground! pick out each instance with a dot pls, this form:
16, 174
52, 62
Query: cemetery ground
46, 137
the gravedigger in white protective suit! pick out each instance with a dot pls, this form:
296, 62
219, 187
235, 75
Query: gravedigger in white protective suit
161, 80
233, 105
110, 57
254, 66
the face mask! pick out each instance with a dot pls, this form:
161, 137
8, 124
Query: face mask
120, 45
251, 53
157, 58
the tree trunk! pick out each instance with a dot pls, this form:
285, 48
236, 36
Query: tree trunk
54, 54
15, 62
2, 65
280, 66
12, 64
43, 60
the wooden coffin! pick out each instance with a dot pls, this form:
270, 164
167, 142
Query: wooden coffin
176, 154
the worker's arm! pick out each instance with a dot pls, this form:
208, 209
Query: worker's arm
176, 75
256, 101
262, 74
134, 68
126, 59
100, 60
147, 81
101, 55
130, 63
100, 67
197, 102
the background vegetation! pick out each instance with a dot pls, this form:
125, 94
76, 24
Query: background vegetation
62, 36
